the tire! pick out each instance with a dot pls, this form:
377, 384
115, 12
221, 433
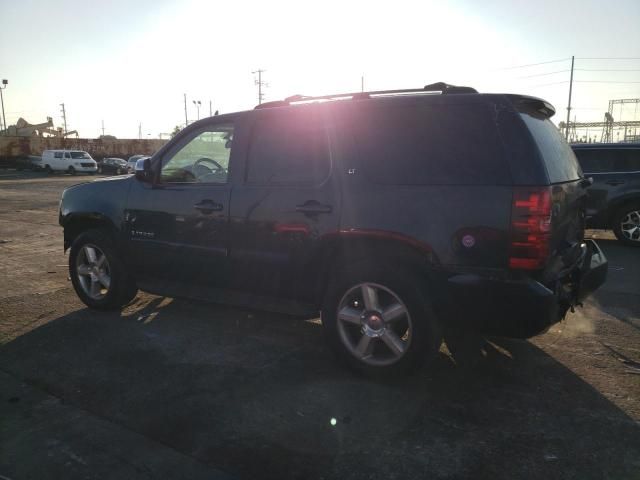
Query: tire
71, 170
626, 224
105, 284
364, 341
47, 169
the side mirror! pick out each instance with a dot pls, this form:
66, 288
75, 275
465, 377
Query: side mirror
143, 170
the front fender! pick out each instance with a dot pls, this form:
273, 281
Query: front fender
93, 205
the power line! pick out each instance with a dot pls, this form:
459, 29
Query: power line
607, 58
606, 70
600, 81
547, 84
543, 74
534, 64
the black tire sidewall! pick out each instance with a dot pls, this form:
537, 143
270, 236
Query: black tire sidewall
617, 219
426, 335
120, 282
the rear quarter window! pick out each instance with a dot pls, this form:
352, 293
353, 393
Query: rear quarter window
558, 157
417, 144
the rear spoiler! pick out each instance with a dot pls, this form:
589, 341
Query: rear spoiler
524, 102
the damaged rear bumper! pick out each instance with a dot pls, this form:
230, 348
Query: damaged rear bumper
525, 307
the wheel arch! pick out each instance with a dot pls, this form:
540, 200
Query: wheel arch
348, 248
618, 203
75, 224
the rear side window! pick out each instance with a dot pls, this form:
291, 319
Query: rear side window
559, 159
57, 154
417, 144
633, 159
597, 161
288, 149
602, 160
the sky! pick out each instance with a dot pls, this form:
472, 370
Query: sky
129, 63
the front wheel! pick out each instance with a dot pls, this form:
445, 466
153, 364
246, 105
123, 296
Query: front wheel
626, 224
379, 320
97, 273
71, 170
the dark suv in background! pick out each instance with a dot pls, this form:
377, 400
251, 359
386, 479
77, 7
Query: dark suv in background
396, 214
614, 198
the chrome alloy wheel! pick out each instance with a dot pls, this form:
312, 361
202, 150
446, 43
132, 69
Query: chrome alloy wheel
92, 270
630, 226
374, 324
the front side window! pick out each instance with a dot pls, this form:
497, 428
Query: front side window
204, 159
289, 149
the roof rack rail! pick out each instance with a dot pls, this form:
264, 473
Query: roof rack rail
443, 88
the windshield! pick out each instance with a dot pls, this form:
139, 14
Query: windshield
81, 155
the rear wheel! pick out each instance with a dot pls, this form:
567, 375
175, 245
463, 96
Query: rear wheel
97, 273
626, 224
379, 322
47, 169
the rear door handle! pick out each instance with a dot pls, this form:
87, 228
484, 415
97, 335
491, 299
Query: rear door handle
614, 182
208, 206
313, 207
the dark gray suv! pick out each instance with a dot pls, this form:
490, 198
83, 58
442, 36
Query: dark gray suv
397, 215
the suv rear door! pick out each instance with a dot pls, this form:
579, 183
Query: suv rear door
284, 204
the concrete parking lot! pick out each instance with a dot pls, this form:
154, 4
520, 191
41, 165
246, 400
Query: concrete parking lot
170, 388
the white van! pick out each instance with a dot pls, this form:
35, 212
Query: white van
70, 161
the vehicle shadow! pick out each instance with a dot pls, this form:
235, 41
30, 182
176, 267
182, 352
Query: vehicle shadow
260, 396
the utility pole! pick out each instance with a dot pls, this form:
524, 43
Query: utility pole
210, 114
362, 83
140, 131
260, 84
186, 120
103, 128
566, 131
64, 119
4, 120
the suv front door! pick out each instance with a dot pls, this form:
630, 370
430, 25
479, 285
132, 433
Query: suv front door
177, 227
287, 201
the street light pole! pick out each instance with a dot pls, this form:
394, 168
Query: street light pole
4, 120
197, 103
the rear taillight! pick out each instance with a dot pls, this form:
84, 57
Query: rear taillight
530, 228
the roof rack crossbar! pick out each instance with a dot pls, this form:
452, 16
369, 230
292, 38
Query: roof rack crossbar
441, 87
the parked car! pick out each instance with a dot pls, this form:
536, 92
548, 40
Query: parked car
70, 161
116, 166
396, 214
131, 163
614, 198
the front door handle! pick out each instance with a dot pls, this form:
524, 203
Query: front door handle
208, 206
313, 207
614, 182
